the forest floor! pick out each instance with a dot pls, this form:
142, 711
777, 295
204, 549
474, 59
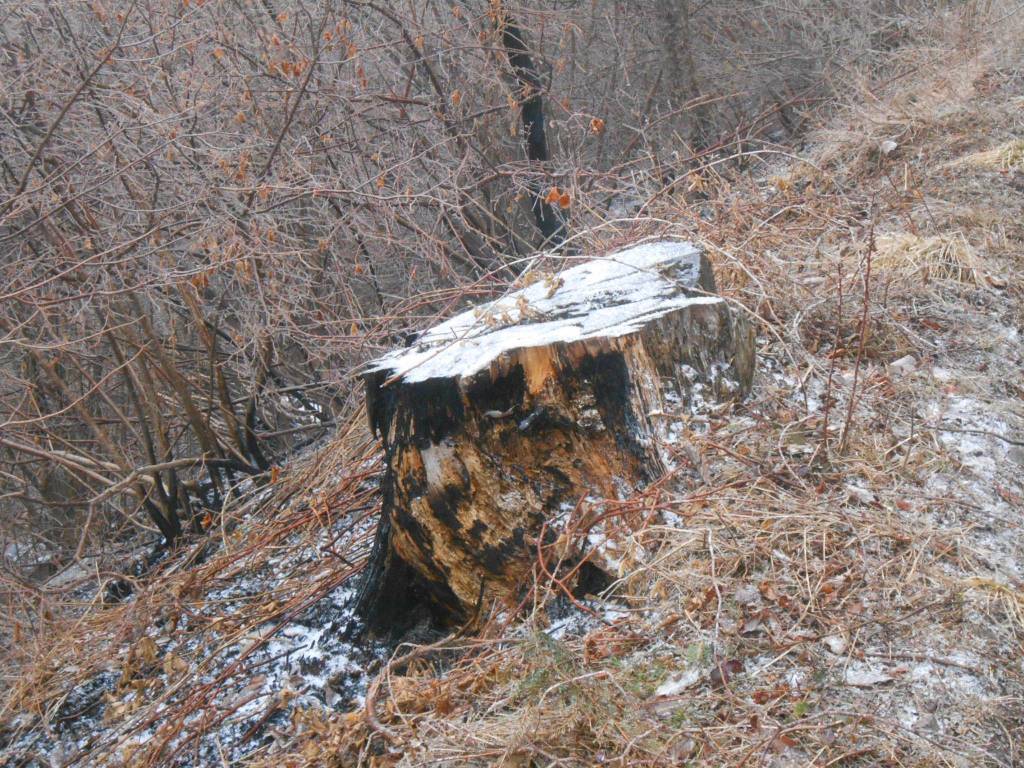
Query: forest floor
831, 573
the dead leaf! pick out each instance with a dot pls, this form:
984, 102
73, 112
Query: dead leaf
146, 650
768, 591
174, 665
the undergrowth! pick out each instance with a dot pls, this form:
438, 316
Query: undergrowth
830, 574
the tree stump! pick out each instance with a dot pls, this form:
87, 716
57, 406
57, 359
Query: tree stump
507, 414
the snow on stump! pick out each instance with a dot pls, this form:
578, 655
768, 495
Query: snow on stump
507, 414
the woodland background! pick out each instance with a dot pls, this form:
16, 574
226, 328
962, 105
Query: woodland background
212, 212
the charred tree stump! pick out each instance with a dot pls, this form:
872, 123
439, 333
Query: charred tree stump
504, 415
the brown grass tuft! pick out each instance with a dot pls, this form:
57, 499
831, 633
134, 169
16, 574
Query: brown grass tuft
936, 257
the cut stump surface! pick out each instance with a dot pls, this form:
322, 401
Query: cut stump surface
506, 415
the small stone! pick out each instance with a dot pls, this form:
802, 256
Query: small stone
835, 643
678, 683
866, 677
905, 364
752, 626
859, 494
747, 595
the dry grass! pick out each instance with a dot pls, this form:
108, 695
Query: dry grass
829, 576
817, 604
939, 257
1005, 157
160, 663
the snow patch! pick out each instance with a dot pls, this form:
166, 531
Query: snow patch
971, 428
608, 297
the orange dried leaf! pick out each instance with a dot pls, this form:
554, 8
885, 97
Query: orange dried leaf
565, 201
443, 705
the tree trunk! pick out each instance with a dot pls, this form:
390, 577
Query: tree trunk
507, 415
549, 219
681, 69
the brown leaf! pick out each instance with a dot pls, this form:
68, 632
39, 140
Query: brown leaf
443, 705
782, 741
768, 591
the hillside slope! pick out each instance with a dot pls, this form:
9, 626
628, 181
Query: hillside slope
831, 574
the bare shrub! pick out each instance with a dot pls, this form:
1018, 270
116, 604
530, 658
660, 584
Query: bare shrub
212, 212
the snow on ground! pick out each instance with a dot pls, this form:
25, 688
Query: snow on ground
929, 686
942, 686
250, 681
